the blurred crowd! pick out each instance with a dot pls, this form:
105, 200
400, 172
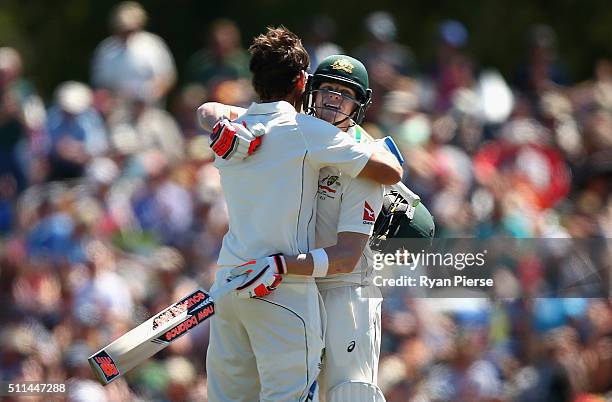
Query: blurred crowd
110, 208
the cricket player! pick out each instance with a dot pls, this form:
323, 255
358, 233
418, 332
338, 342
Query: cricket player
339, 93
267, 345
346, 211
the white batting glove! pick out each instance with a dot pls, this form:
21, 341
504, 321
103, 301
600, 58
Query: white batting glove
263, 276
234, 141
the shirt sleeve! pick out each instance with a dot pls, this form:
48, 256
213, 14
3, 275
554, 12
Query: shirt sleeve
361, 202
328, 146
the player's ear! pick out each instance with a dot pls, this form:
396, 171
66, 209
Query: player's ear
301, 82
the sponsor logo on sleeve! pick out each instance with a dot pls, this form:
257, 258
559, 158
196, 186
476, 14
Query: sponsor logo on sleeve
369, 216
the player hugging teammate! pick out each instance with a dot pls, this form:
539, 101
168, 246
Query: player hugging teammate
346, 209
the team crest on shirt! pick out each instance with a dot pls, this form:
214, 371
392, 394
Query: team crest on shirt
328, 187
369, 216
331, 180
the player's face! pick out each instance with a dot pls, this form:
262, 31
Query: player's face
334, 103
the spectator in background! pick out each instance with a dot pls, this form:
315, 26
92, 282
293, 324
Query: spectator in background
22, 117
55, 234
402, 119
319, 36
76, 131
161, 205
106, 291
453, 69
189, 99
387, 61
136, 126
133, 63
223, 58
381, 45
542, 70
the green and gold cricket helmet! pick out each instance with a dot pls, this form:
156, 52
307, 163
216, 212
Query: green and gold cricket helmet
398, 219
345, 70
421, 225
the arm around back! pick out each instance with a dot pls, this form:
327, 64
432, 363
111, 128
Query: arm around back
342, 257
383, 168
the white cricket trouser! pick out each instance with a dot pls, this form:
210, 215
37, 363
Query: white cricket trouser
266, 349
352, 339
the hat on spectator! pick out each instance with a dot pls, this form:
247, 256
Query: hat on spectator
73, 97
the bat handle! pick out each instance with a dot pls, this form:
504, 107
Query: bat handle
227, 287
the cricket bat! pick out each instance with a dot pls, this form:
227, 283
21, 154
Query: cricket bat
153, 335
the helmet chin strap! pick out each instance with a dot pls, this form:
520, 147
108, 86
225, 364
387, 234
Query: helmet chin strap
347, 117
343, 120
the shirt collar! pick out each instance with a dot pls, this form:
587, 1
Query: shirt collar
270, 107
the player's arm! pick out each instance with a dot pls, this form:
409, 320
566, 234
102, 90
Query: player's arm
361, 201
341, 258
328, 146
383, 168
263, 275
210, 112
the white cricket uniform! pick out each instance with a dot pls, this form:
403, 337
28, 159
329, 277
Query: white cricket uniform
352, 303
269, 349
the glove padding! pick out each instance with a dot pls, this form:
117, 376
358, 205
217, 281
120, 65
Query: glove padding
234, 141
263, 276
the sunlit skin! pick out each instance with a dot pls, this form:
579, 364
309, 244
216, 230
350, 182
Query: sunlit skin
334, 108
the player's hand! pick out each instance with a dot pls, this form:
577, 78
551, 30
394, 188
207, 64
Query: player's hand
234, 141
263, 276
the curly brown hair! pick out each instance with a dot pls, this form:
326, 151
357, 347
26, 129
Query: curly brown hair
277, 57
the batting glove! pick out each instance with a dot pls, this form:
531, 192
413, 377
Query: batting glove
234, 141
263, 276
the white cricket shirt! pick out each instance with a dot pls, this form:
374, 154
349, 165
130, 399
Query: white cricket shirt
346, 204
271, 195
